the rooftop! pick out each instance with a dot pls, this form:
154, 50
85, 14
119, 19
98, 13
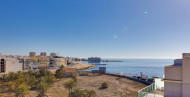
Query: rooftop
69, 70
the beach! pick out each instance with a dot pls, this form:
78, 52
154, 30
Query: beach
80, 66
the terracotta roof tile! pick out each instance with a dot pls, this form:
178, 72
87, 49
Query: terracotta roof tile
69, 70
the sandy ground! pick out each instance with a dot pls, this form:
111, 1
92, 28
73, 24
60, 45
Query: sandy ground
80, 66
117, 87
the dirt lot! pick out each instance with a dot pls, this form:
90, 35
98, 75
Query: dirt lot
117, 87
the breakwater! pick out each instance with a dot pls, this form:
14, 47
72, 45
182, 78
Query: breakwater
146, 82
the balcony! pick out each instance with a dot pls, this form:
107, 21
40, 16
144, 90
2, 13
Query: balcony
154, 90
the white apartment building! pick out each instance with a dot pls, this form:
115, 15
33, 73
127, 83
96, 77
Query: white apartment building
9, 65
177, 78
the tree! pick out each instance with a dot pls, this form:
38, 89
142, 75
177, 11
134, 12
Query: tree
42, 86
45, 81
19, 82
36, 74
19, 74
49, 78
104, 85
90, 93
74, 78
77, 93
43, 72
11, 76
69, 85
61, 67
31, 81
11, 86
22, 90
30, 72
59, 73
4, 77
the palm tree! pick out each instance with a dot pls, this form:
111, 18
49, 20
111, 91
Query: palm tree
11, 86
42, 86
22, 90
31, 81
19, 74
77, 93
11, 76
69, 85
49, 78
90, 93
4, 77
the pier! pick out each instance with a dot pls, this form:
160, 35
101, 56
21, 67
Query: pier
146, 82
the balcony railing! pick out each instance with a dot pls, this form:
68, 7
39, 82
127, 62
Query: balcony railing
150, 91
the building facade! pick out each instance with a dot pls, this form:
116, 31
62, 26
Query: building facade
32, 54
53, 54
43, 54
43, 61
57, 61
94, 59
10, 65
177, 78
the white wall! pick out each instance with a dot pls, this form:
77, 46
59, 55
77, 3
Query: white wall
13, 65
159, 84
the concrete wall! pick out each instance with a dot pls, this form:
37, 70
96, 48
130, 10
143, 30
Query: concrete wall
186, 68
172, 89
13, 65
173, 72
185, 90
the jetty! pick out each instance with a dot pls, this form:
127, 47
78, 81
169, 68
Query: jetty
99, 64
144, 81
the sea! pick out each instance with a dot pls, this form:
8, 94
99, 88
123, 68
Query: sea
148, 67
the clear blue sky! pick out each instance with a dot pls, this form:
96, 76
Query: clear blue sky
102, 28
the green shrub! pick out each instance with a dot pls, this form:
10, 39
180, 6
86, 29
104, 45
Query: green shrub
104, 85
59, 73
74, 78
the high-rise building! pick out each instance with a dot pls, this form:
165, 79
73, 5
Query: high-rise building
94, 59
32, 54
53, 54
43, 54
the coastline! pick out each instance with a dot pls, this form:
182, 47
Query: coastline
80, 66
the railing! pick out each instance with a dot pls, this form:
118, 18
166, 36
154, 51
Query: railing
150, 91
143, 92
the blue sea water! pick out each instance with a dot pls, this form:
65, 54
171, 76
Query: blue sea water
149, 67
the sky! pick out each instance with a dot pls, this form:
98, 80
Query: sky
96, 28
